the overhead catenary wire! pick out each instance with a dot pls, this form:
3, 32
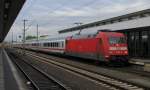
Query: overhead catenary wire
34, 20
78, 8
60, 7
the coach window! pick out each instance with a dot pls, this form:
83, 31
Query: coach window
40, 44
44, 44
62, 44
52, 44
55, 44
58, 44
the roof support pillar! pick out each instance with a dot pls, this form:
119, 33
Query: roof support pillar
1, 18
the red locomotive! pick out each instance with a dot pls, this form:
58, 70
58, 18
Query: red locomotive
104, 46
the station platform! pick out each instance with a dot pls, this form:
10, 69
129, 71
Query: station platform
145, 63
9, 76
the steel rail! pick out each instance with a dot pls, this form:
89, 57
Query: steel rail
118, 84
39, 79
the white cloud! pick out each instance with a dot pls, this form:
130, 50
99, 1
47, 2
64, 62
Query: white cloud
50, 21
94, 11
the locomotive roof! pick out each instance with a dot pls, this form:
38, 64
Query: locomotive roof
89, 35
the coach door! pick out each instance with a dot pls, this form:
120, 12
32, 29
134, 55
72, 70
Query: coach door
100, 49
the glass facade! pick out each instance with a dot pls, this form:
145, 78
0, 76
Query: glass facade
139, 43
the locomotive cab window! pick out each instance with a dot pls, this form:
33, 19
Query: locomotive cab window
116, 40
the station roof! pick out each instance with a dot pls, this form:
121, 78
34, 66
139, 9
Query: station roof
131, 20
9, 10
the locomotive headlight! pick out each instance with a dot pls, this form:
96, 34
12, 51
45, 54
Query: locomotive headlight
126, 52
106, 56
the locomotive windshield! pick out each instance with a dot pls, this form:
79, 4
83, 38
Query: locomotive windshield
117, 40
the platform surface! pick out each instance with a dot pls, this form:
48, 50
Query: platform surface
142, 62
1, 72
8, 74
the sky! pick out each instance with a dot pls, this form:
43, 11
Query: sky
55, 15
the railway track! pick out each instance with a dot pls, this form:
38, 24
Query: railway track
37, 78
129, 69
106, 81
